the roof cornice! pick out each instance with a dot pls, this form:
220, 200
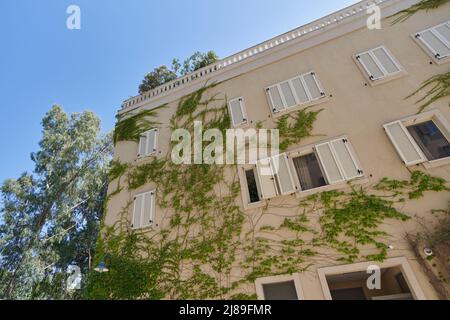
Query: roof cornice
324, 29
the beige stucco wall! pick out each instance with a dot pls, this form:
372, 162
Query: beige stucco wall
354, 109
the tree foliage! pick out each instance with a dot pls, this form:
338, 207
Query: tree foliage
51, 216
164, 74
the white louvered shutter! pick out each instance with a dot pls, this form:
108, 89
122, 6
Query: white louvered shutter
386, 61
436, 40
148, 209
313, 86
329, 163
404, 143
142, 149
266, 179
137, 211
346, 159
152, 142
238, 112
283, 174
275, 99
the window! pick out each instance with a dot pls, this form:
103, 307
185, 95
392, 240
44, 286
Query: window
298, 91
430, 140
252, 186
436, 40
237, 112
143, 210
419, 139
349, 282
324, 164
378, 63
285, 287
148, 143
308, 171
280, 291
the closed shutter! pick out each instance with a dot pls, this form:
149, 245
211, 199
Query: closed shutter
266, 179
237, 111
143, 210
148, 209
329, 163
437, 40
368, 62
346, 159
283, 174
313, 86
275, 99
137, 211
297, 91
386, 61
378, 63
152, 142
142, 145
405, 145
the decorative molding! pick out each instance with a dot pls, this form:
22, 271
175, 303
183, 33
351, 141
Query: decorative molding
221, 70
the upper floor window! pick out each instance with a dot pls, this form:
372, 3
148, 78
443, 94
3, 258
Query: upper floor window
436, 41
143, 210
421, 138
238, 112
301, 90
378, 64
309, 168
148, 143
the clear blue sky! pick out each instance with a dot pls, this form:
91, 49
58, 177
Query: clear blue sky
43, 63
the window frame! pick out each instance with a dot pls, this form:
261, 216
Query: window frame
278, 279
143, 225
401, 262
386, 76
417, 37
243, 111
146, 134
441, 123
298, 104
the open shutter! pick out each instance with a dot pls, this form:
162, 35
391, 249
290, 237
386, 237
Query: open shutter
148, 209
405, 145
266, 179
346, 159
283, 174
329, 163
237, 111
137, 211
275, 98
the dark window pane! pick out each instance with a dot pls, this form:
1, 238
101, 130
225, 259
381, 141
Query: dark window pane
348, 294
280, 291
309, 172
252, 188
430, 140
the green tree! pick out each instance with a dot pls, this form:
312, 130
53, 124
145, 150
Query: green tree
50, 217
157, 77
164, 74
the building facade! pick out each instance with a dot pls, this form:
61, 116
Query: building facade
287, 241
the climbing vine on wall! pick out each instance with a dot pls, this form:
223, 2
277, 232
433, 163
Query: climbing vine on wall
205, 246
